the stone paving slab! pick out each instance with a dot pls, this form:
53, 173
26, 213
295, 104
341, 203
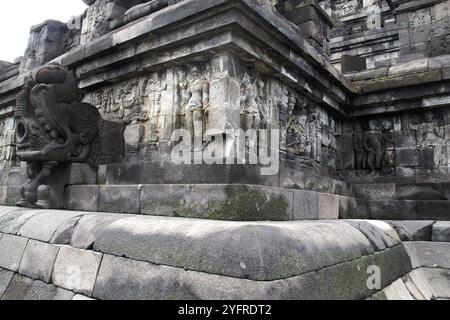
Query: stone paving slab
38, 260
76, 270
11, 251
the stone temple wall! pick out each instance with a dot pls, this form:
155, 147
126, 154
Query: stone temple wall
143, 68
387, 31
93, 203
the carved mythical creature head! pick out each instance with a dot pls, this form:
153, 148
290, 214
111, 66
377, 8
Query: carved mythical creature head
52, 122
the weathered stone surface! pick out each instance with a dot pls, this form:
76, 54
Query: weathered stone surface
64, 233
89, 227
397, 291
12, 220
377, 192
431, 254
413, 192
433, 210
62, 294
413, 230
420, 281
5, 279
441, 232
11, 251
76, 270
328, 208
306, 205
221, 202
439, 280
389, 209
38, 260
231, 245
18, 288
120, 199
380, 234
43, 226
41, 291
84, 198
81, 297
142, 280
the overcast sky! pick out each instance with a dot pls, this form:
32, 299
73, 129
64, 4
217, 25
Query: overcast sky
17, 16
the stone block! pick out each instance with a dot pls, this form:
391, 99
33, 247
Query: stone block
80, 297
426, 158
418, 192
408, 67
43, 226
391, 210
40, 291
14, 219
11, 251
348, 208
397, 291
433, 254
413, 230
377, 192
439, 280
420, 281
119, 199
76, 270
18, 288
433, 210
353, 63
81, 174
306, 205
380, 234
5, 279
407, 157
64, 295
83, 198
328, 208
63, 235
89, 227
441, 231
303, 246
38, 260
220, 202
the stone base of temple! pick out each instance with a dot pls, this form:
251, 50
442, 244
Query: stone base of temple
80, 255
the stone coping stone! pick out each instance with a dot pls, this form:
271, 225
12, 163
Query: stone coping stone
259, 251
441, 231
47, 223
413, 230
429, 254
126, 279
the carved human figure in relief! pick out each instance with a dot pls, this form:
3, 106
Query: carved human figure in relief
315, 134
197, 107
358, 145
250, 110
373, 145
428, 133
389, 146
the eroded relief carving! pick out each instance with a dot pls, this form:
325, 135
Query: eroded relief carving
54, 127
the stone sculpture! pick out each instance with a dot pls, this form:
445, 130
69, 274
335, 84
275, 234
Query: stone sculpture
53, 127
197, 106
373, 145
428, 134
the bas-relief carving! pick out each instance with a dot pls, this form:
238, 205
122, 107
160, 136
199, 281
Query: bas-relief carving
375, 141
7, 142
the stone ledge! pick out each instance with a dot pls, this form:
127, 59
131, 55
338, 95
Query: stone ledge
169, 258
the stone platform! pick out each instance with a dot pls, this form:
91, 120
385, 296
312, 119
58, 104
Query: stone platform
49, 254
